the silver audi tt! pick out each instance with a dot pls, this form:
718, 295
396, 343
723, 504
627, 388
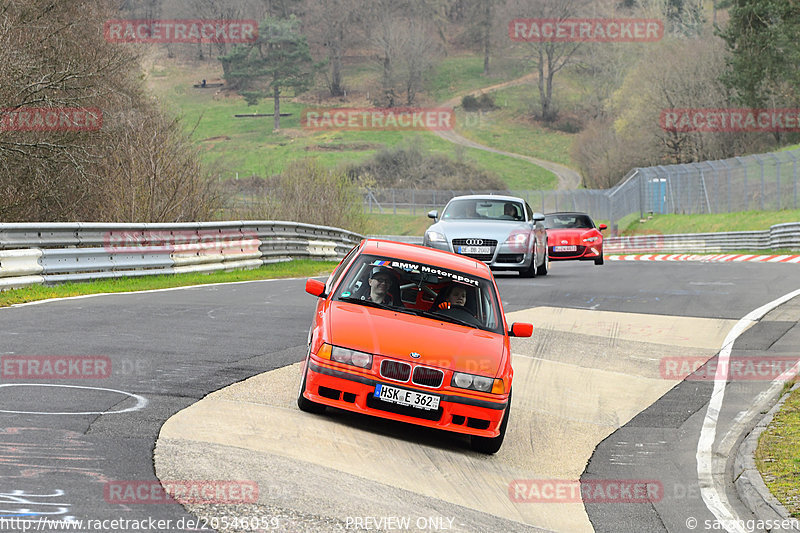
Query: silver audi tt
501, 231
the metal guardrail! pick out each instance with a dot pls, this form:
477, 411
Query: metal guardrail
780, 236
49, 253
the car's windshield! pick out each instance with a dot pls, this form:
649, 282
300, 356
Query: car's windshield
483, 209
565, 221
423, 289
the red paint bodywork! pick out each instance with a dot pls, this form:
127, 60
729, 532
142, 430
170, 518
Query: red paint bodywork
557, 237
395, 335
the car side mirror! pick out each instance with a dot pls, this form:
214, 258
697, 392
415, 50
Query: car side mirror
538, 217
521, 329
433, 214
315, 287
601, 227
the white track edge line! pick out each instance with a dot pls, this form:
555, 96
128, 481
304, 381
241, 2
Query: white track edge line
711, 489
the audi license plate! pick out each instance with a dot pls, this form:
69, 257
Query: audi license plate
484, 250
565, 248
409, 398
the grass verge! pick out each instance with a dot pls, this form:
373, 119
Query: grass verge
707, 223
398, 224
247, 146
510, 128
289, 269
778, 454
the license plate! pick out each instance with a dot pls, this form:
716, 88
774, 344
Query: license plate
485, 250
409, 398
565, 248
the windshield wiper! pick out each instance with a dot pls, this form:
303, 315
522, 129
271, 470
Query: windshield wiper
436, 316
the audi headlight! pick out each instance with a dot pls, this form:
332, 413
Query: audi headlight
351, 357
435, 236
472, 382
517, 239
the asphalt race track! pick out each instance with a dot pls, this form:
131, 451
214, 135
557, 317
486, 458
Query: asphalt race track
591, 402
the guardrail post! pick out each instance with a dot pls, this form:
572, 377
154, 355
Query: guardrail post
746, 189
794, 175
763, 190
777, 180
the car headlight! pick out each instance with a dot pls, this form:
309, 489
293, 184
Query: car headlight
351, 357
517, 239
470, 381
435, 236
591, 239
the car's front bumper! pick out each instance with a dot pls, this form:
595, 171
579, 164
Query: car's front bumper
503, 256
458, 413
582, 253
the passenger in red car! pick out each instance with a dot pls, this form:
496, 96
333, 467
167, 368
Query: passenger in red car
456, 296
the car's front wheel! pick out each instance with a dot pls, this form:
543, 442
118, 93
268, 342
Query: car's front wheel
531, 271
491, 445
542, 270
304, 403
599, 260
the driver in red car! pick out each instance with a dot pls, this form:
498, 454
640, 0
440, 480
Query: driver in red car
380, 284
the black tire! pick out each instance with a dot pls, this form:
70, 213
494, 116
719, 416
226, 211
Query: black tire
531, 271
490, 445
304, 403
599, 260
542, 270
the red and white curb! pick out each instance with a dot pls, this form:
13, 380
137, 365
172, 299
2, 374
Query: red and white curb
709, 258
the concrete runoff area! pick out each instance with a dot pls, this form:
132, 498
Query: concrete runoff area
583, 374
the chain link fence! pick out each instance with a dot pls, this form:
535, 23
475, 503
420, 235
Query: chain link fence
761, 182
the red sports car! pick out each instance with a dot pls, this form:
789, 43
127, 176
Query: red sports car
573, 236
412, 334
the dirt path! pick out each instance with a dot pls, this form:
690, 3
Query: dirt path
567, 177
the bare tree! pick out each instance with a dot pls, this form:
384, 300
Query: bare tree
221, 10
675, 74
549, 58
330, 27
53, 55
418, 54
406, 47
